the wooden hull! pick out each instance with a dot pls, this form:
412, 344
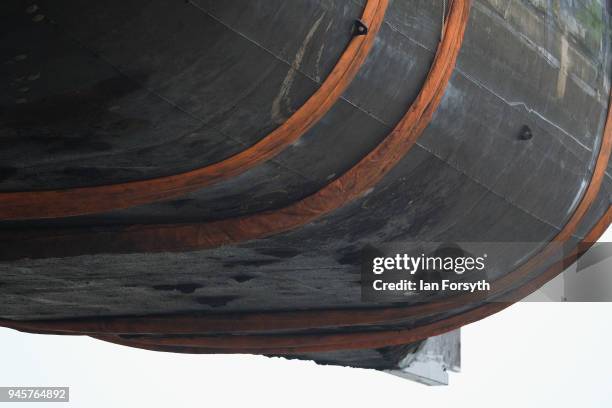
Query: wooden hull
176, 173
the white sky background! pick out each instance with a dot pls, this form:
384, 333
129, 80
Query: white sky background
530, 355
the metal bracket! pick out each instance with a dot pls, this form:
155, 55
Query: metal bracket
360, 28
432, 361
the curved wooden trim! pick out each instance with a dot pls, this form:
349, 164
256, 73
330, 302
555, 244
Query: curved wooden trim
308, 343
318, 342
109, 329
89, 200
356, 182
295, 343
310, 319
259, 322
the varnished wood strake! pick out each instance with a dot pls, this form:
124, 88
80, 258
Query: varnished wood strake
156, 333
75, 244
90, 200
351, 185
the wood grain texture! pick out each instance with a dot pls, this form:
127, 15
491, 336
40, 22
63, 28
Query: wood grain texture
353, 184
261, 322
109, 330
296, 344
90, 200
509, 288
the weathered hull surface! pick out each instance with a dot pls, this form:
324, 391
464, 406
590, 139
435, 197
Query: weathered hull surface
99, 96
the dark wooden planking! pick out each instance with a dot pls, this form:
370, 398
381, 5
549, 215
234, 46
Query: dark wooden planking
312, 267
475, 141
68, 202
354, 183
316, 342
354, 126
341, 318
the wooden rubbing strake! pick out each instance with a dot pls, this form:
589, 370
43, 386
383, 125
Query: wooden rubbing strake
195, 236
511, 288
90, 200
